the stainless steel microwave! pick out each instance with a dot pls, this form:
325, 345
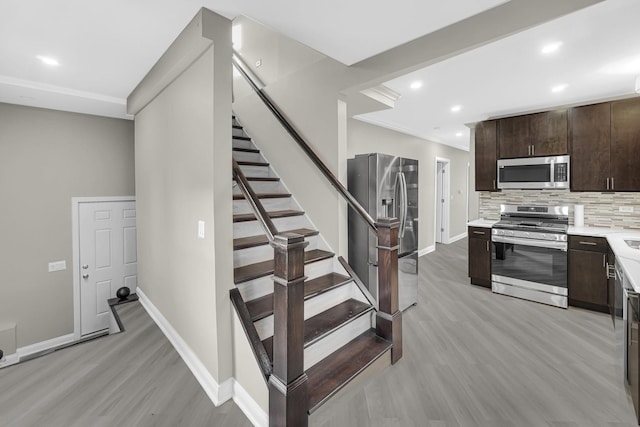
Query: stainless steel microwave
534, 173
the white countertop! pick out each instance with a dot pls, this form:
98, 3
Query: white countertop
628, 258
481, 222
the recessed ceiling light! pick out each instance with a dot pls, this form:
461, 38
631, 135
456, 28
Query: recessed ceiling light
456, 108
559, 88
458, 134
416, 85
551, 47
48, 60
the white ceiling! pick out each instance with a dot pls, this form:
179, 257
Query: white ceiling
599, 59
106, 48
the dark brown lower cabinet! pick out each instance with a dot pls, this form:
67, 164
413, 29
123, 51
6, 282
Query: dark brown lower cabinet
480, 256
588, 283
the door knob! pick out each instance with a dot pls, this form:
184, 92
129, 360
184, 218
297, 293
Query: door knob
84, 267
85, 276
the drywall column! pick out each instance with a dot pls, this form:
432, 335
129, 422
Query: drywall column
183, 177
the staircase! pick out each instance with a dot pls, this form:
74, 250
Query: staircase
340, 339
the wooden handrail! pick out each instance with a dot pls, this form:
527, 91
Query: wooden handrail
252, 334
259, 211
353, 203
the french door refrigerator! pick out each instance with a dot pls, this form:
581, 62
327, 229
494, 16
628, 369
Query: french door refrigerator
386, 186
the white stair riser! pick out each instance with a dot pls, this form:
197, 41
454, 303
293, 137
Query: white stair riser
337, 339
256, 288
312, 306
281, 203
242, 257
263, 187
243, 156
260, 171
242, 143
264, 285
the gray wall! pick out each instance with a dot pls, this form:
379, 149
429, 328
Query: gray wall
46, 158
368, 138
183, 175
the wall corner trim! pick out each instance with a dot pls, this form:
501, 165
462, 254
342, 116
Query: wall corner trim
218, 393
458, 237
427, 250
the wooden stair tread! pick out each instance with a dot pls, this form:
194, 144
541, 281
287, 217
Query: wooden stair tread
322, 323
331, 374
265, 268
240, 196
246, 150
244, 138
246, 163
272, 214
237, 126
262, 307
261, 178
252, 241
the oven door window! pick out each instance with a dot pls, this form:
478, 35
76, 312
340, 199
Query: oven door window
525, 173
530, 263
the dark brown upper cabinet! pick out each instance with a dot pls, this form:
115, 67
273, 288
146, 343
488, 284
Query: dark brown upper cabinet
486, 155
625, 145
590, 147
605, 146
534, 135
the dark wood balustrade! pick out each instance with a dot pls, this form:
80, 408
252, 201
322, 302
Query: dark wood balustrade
289, 394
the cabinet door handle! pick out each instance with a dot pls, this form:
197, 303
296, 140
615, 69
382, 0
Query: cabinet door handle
533, 150
588, 243
604, 260
487, 246
528, 150
607, 183
494, 184
478, 232
612, 185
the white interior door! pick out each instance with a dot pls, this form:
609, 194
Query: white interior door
442, 201
108, 258
439, 201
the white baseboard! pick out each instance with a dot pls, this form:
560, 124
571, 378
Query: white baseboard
426, 250
9, 359
217, 393
250, 407
458, 237
39, 347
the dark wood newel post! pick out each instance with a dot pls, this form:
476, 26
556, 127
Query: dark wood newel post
288, 389
389, 317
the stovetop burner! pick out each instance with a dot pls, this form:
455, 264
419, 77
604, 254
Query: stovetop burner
553, 219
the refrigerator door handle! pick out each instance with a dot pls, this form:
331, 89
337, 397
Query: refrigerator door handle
404, 207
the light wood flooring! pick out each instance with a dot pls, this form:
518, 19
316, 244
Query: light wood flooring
471, 358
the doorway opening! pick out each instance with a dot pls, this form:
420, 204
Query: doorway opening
442, 200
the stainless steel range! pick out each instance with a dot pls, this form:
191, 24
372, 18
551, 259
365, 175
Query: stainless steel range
529, 253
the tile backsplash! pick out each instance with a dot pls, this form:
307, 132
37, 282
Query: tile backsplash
600, 209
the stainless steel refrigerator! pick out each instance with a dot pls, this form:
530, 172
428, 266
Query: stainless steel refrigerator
386, 186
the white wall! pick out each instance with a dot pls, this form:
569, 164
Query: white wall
183, 175
46, 158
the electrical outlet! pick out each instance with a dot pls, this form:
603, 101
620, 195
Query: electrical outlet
258, 63
57, 266
627, 209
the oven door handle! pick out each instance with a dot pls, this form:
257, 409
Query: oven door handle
549, 244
